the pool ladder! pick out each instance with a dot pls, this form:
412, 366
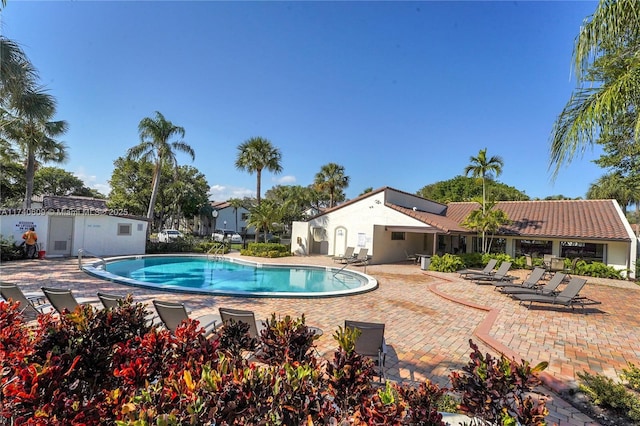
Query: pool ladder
84, 252
218, 252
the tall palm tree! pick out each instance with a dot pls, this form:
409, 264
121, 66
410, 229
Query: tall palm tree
482, 167
612, 32
255, 155
154, 146
331, 179
29, 124
16, 71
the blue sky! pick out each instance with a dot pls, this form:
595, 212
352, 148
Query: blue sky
401, 94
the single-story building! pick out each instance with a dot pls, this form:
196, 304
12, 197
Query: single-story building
67, 224
392, 223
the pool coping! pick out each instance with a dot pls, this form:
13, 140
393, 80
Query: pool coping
94, 269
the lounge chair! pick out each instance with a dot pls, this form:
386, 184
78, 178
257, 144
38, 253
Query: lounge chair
488, 269
110, 301
348, 254
361, 259
499, 276
63, 299
549, 289
239, 315
411, 257
531, 282
172, 314
31, 306
371, 342
567, 297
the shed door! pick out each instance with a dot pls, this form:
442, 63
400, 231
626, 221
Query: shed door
60, 233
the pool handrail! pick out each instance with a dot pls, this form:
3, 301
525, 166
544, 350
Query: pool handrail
82, 252
216, 253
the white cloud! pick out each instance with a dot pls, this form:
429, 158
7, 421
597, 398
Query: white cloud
284, 180
92, 182
224, 193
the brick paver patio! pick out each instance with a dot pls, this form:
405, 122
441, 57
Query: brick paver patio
429, 319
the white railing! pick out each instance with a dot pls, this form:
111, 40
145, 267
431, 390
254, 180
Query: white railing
83, 252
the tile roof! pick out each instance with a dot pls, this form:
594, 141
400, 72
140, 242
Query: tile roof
443, 223
53, 202
589, 219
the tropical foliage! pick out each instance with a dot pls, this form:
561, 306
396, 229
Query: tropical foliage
331, 180
486, 222
27, 127
95, 367
463, 188
255, 155
607, 68
182, 193
155, 146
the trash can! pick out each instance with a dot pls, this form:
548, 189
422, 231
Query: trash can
425, 262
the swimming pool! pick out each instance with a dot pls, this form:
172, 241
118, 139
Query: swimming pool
227, 276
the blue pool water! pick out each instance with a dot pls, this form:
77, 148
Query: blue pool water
198, 274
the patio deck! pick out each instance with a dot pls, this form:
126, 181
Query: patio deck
429, 319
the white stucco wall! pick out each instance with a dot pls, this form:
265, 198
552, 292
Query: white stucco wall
363, 225
95, 233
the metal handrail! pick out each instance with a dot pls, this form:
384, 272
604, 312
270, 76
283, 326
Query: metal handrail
216, 254
82, 252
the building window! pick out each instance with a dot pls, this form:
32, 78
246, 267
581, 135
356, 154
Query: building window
244, 216
586, 251
139, 227
535, 248
124, 229
397, 236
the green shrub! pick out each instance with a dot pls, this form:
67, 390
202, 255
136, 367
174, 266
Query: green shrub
446, 263
606, 392
9, 250
266, 250
632, 376
597, 269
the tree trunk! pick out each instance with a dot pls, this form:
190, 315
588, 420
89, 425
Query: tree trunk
31, 168
154, 192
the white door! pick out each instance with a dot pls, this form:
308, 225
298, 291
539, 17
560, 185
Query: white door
340, 241
60, 234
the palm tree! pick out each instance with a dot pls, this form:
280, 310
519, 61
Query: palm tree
605, 88
16, 71
236, 203
331, 179
482, 167
29, 123
155, 147
255, 155
264, 216
613, 186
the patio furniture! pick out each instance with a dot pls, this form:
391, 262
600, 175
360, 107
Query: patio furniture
361, 259
488, 269
550, 288
63, 300
371, 343
172, 314
530, 282
31, 306
411, 257
528, 260
348, 254
239, 315
499, 276
110, 301
567, 297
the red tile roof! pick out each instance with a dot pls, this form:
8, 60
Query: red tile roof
589, 219
443, 223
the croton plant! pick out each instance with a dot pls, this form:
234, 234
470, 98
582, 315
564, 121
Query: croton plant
110, 367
